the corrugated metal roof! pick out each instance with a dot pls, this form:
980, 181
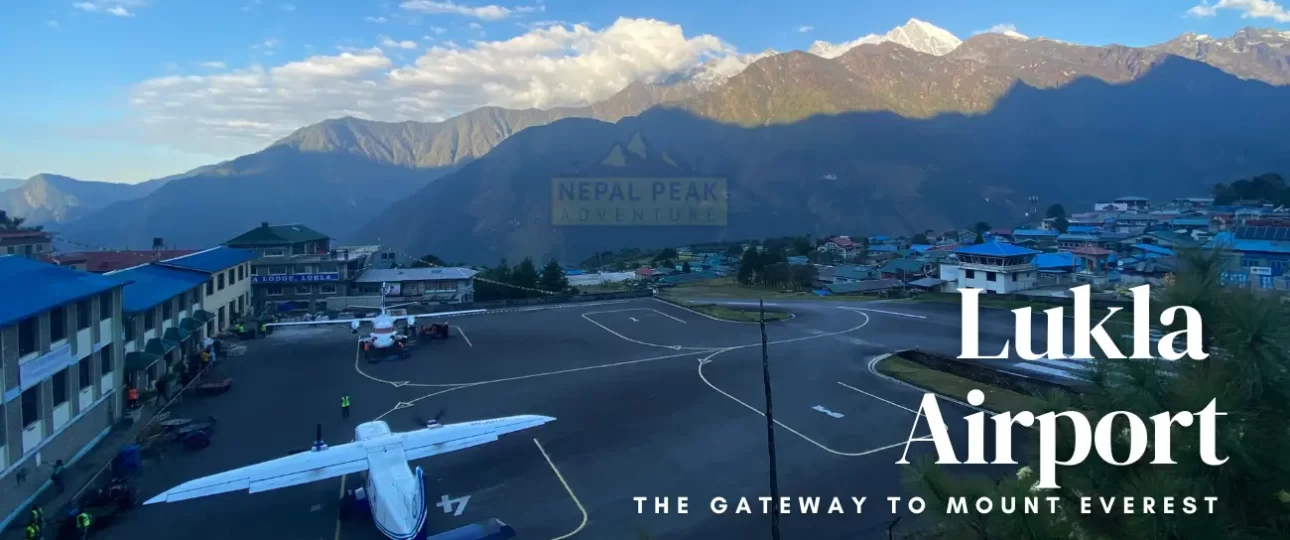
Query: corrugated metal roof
155, 283
415, 274
854, 272
995, 248
865, 286
107, 261
926, 282
1054, 260
1034, 232
212, 260
267, 234
903, 265
30, 287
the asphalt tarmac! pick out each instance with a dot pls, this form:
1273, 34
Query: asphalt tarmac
651, 400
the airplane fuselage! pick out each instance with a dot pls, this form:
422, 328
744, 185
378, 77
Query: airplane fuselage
394, 492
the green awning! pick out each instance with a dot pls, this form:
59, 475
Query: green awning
176, 334
160, 347
189, 324
139, 361
203, 316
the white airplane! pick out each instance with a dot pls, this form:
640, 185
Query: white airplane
393, 492
384, 332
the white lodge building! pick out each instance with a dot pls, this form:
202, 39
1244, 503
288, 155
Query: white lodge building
995, 267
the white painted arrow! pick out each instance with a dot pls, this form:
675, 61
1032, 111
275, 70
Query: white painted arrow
828, 412
402, 405
398, 384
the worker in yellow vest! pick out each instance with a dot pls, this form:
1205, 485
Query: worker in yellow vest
83, 524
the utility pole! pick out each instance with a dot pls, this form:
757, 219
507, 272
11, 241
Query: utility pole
770, 424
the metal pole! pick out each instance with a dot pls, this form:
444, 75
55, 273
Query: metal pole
770, 425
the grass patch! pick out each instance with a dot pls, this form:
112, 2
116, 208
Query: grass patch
727, 287
996, 399
738, 315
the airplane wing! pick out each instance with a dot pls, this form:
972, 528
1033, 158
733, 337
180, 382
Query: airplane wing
348, 458
286, 471
434, 441
368, 320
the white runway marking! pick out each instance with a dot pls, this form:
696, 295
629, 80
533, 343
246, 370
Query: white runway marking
568, 489
679, 306
633, 319
587, 316
462, 331
828, 412
884, 312
892, 403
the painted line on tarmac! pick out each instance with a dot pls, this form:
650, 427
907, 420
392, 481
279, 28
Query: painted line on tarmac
701, 314
459, 386
358, 354
884, 312
873, 370
884, 400
636, 309
587, 316
709, 359
568, 489
462, 331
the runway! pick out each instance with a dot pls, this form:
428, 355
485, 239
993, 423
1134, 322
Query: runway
651, 400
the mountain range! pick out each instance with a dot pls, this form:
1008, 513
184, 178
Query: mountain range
897, 133
50, 199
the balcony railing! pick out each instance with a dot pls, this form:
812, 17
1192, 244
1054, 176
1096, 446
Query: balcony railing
1024, 267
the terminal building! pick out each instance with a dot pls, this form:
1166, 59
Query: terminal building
163, 320
60, 358
228, 289
297, 268
427, 286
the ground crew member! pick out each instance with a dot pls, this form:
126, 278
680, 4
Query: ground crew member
57, 476
83, 524
37, 517
264, 329
344, 407
32, 532
132, 397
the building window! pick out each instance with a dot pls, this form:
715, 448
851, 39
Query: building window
306, 269
149, 320
990, 276
970, 274
105, 306
105, 360
277, 270
27, 337
326, 289
303, 289
273, 290
60, 387
241, 273
240, 305
221, 281
82, 314
31, 406
255, 270
274, 252
167, 310
57, 324
210, 287
83, 373
128, 325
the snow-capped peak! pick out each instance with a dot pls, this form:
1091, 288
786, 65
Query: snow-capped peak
718, 70
918, 35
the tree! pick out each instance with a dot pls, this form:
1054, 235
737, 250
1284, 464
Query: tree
525, 274
668, 254
804, 276
981, 227
1061, 224
734, 250
802, 245
777, 274
1247, 375
14, 223
919, 238
552, 278
1056, 211
749, 266
685, 267
1267, 187
426, 261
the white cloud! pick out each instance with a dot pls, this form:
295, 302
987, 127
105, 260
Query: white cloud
377, 20
805, 29
390, 43
1249, 9
119, 8
52, 24
1007, 29
242, 110
489, 12
214, 65
438, 30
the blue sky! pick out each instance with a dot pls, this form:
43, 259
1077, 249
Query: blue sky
128, 90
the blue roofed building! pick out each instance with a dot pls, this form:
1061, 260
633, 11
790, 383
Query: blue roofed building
60, 352
1055, 263
1260, 256
164, 319
1074, 240
228, 289
995, 267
